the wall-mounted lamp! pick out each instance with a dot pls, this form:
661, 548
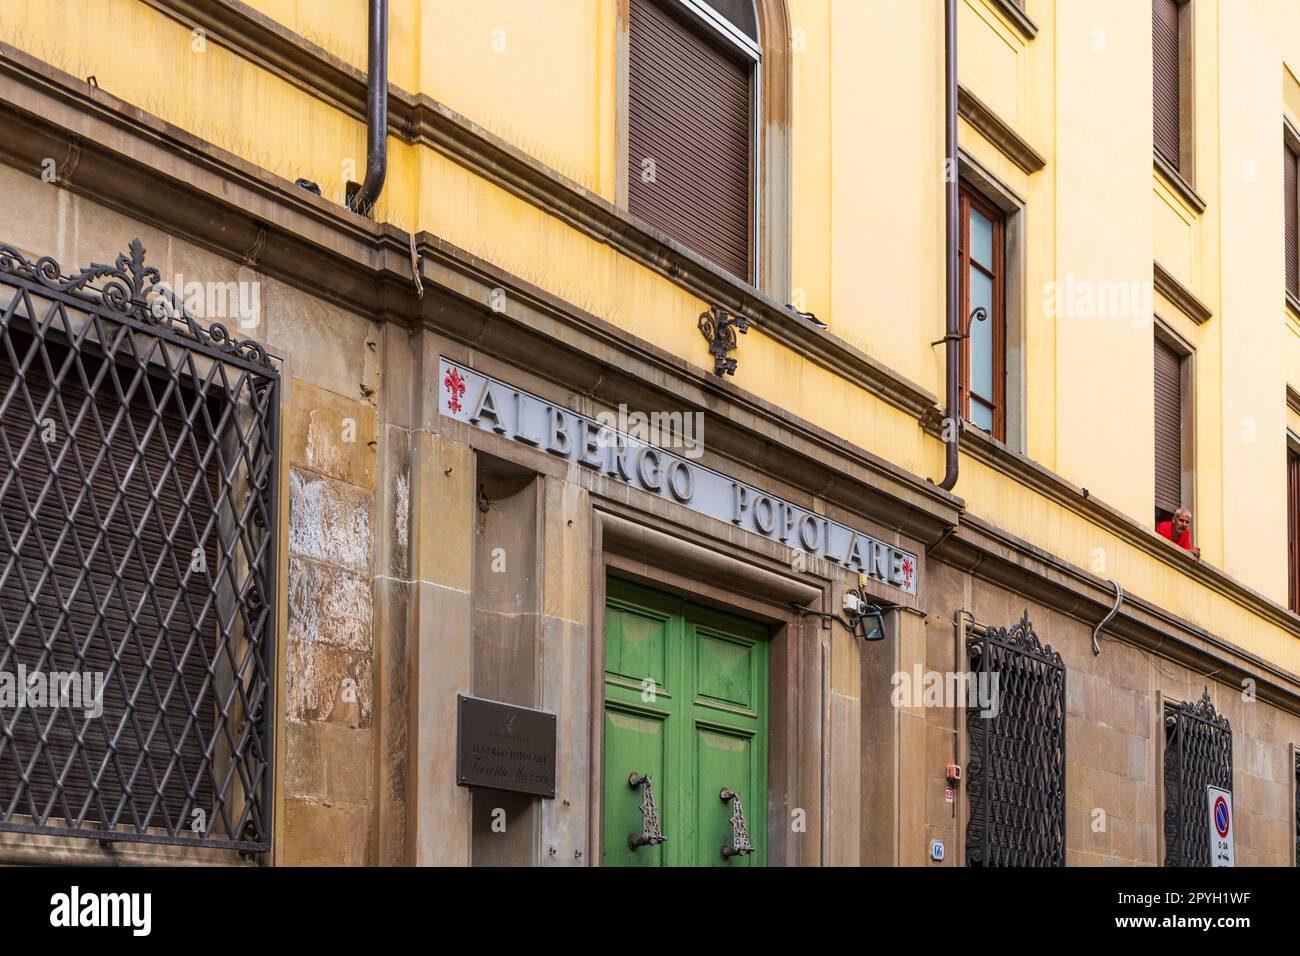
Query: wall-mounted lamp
860, 611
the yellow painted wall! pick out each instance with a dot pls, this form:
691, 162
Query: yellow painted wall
867, 214
1253, 370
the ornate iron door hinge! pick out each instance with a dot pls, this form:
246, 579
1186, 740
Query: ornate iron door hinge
740, 844
652, 833
719, 328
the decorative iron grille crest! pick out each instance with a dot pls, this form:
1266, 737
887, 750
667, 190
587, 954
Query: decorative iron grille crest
1198, 754
138, 516
1016, 768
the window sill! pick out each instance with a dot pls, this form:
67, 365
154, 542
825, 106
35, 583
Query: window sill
1181, 296
991, 126
39, 849
1175, 181
1016, 15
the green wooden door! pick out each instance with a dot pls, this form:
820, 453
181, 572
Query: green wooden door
685, 704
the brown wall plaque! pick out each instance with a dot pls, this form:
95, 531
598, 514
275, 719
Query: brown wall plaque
504, 746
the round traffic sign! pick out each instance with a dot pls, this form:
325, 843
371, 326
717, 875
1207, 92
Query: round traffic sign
1221, 816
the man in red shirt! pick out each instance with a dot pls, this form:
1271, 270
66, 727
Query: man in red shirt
1179, 531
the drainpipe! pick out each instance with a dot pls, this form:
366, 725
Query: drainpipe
952, 336
363, 199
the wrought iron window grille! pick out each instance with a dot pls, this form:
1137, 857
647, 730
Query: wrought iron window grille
1198, 754
138, 516
1016, 768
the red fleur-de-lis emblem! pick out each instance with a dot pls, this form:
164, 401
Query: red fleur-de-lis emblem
907, 573
455, 386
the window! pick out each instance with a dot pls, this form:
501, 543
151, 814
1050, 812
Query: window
1293, 528
983, 351
1172, 435
692, 88
1016, 766
1291, 212
1198, 754
138, 508
1172, 77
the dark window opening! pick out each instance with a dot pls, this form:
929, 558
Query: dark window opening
1171, 77
1169, 431
1293, 528
691, 132
1198, 754
1016, 769
138, 502
1291, 218
91, 601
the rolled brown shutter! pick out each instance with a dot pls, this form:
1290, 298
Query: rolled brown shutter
689, 136
135, 619
1164, 59
1169, 428
1293, 530
1290, 215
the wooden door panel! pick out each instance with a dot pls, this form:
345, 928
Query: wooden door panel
724, 669
634, 743
685, 702
636, 645
728, 759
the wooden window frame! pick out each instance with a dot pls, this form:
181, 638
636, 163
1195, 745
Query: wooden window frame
771, 84
1186, 353
1293, 521
732, 44
1185, 168
1291, 154
969, 199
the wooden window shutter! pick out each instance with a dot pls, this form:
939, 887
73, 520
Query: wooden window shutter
1165, 64
1169, 428
1291, 216
689, 135
142, 624
1293, 529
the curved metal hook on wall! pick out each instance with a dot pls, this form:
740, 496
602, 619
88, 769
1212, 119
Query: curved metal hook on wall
1119, 599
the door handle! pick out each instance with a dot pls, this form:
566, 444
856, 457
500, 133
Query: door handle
740, 844
652, 833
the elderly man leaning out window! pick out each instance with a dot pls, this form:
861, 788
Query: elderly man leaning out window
1179, 531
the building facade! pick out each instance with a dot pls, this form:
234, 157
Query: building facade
625, 406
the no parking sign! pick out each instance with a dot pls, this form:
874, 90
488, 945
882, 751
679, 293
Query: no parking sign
1222, 849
